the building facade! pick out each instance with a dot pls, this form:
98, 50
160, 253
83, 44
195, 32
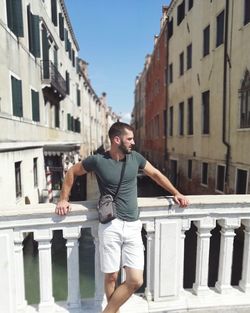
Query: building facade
208, 100
50, 116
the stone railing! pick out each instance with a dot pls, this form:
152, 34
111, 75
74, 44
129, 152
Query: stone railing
167, 255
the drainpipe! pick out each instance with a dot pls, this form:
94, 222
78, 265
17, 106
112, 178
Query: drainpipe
225, 142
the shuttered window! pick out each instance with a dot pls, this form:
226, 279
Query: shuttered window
66, 39
69, 121
15, 17
57, 115
35, 106
61, 26
54, 12
17, 102
34, 33
73, 58
78, 96
67, 83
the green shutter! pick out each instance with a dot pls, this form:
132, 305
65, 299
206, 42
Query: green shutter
61, 26
78, 95
69, 49
73, 58
69, 121
66, 39
34, 33
35, 106
17, 97
54, 12
15, 16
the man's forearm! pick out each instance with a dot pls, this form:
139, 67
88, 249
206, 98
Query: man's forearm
67, 185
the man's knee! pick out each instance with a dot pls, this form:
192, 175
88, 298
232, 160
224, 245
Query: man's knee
135, 283
111, 278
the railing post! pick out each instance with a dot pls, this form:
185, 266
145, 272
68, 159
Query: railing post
167, 259
19, 272
150, 229
202, 255
99, 276
245, 280
184, 228
226, 253
43, 237
72, 234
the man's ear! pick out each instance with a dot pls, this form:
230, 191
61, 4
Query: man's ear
117, 140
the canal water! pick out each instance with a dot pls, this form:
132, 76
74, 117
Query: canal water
146, 188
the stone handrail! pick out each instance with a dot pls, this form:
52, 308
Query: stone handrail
165, 225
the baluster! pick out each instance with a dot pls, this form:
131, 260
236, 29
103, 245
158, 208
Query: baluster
185, 227
43, 237
226, 253
99, 276
149, 290
202, 255
72, 234
19, 272
245, 280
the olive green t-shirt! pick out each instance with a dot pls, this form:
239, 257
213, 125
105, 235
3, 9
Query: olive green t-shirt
108, 174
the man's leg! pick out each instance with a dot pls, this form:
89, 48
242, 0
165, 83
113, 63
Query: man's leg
134, 279
110, 281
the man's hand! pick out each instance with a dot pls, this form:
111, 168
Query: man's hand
181, 200
63, 207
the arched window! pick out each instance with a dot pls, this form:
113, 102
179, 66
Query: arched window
244, 93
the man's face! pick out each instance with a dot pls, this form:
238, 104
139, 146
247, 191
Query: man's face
127, 142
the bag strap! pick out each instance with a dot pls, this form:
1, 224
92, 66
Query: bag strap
122, 174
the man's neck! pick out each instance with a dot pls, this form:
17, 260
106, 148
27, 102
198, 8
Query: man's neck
116, 155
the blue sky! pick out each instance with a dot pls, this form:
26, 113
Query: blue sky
114, 37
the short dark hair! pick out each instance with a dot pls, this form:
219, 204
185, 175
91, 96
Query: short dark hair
118, 129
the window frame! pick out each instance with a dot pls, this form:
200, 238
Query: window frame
205, 113
204, 182
220, 32
206, 46
218, 174
18, 179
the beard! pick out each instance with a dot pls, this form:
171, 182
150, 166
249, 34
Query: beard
124, 149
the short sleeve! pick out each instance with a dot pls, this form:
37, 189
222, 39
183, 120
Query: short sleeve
89, 163
140, 160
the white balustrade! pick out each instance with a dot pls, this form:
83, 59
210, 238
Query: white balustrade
165, 225
19, 270
228, 226
72, 234
43, 237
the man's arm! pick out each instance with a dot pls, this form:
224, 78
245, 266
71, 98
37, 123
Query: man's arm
63, 206
164, 182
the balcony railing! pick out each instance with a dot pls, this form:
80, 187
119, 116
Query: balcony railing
51, 75
167, 254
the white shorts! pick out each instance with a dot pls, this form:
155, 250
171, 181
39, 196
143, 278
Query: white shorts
120, 245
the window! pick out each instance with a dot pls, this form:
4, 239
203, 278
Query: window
190, 119
66, 39
70, 121
17, 102
15, 16
54, 12
206, 40
170, 73
241, 181
35, 171
220, 180
171, 121
18, 179
180, 12
61, 26
190, 165
190, 4
73, 58
35, 105
189, 56
173, 172
204, 174
181, 58
170, 27
247, 12
164, 123
57, 115
78, 96
205, 112
34, 33
181, 118
220, 29
67, 83
244, 94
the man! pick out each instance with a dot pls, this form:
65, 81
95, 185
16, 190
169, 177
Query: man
120, 239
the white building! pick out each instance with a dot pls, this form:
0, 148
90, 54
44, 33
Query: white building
48, 109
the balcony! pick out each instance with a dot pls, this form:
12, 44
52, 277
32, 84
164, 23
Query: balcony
166, 228
55, 84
